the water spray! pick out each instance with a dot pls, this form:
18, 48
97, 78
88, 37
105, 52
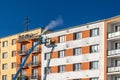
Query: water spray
53, 24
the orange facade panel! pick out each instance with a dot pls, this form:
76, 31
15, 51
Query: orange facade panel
56, 39
86, 79
29, 67
69, 67
85, 33
86, 66
55, 54
54, 69
85, 49
18, 59
69, 37
69, 52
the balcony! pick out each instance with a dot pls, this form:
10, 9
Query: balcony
36, 50
35, 77
25, 66
114, 35
35, 64
22, 52
23, 78
114, 53
113, 70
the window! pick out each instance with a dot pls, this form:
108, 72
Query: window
13, 76
77, 35
4, 66
117, 63
76, 79
13, 65
13, 41
5, 55
94, 65
117, 45
5, 43
94, 48
4, 77
35, 58
36, 48
62, 38
23, 48
117, 78
117, 28
62, 68
13, 53
47, 70
47, 56
23, 59
94, 79
35, 72
77, 67
23, 72
95, 32
61, 53
78, 51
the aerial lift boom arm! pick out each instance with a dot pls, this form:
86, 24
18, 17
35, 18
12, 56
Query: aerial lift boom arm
24, 61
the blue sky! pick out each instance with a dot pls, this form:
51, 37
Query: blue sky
41, 12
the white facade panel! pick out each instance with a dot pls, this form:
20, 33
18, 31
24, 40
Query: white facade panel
73, 75
77, 59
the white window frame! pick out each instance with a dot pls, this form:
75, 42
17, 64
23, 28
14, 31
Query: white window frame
62, 68
23, 58
34, 43
117, 27
13, 75
94, 65
77, 51
5, 55
62, 38
13, 65
117, 78
4, 77
94, 78
95, 48
23, 73
23, 47
4, 66
35, 58
62, 53
35, 72
77, 66
94, 32
78, 35
117, 63
13, 41
13, 53
117, 45
5, 43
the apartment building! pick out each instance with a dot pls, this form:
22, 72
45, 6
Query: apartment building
84, 52
32, 68
9, 54
8, 57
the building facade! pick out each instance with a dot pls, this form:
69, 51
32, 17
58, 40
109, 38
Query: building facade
32, 68
10, 54
79, 54
86, 52
8, 57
